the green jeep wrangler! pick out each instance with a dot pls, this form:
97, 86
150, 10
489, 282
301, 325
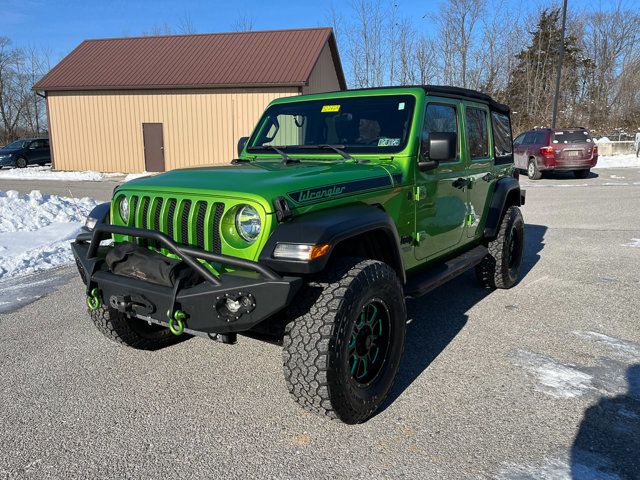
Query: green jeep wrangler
338, 208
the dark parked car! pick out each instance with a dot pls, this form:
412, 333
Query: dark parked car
25, 152
570, 149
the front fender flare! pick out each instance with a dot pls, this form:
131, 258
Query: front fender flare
331, 226
100, 213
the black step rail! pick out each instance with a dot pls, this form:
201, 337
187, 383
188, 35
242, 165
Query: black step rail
187, 254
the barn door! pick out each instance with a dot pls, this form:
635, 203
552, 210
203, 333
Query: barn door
153, 147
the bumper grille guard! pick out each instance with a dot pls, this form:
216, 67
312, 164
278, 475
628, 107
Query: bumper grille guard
188, 254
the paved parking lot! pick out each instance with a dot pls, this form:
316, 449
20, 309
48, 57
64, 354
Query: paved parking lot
542, 381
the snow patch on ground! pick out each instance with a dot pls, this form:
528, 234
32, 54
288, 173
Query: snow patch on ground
17, 292
624, 347
35, 231
583, 466
555, 379
133, 176
618, 161
634, 243
45, 173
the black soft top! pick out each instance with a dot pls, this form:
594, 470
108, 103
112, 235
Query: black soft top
458, 92
453, 92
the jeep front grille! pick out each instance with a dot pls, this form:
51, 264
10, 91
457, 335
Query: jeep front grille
173, 217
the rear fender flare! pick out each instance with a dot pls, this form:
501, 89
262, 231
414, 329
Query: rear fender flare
506, 194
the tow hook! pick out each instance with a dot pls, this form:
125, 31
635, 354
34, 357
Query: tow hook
93, 300
176, 322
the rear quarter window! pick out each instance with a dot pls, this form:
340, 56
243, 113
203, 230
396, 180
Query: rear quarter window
502, 144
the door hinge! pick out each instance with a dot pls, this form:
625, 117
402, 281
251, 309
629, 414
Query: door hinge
419, 193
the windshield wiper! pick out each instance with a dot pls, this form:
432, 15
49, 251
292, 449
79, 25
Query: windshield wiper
336, 148
286, 159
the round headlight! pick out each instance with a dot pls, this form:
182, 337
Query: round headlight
248, 223
123, 208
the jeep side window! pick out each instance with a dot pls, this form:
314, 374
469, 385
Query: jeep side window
501, 128
439, 118
477, 134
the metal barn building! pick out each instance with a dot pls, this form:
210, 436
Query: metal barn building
159, 103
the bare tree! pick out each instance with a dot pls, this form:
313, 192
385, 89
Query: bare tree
611, 40
426, 63
243, 23
13, 90
185, 24
158, 30
34, 113
458, 24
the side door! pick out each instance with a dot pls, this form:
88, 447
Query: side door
480, 163
440, 196
39, 151
32, 151
46, 152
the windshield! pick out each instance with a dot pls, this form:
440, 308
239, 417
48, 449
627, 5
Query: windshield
17, 144
568, 136
357, 125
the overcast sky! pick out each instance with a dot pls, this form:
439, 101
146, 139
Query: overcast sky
60, 25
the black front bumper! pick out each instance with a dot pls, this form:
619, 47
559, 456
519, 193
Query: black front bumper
260, 290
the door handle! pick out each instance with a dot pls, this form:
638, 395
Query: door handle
460, 183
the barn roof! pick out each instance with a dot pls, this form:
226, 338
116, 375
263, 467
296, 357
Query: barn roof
217, 60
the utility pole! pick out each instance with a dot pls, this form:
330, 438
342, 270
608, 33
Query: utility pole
560, 59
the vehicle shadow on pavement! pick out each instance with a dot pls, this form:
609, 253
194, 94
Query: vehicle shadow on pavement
607, 444
437, 318
551, 175
533, 245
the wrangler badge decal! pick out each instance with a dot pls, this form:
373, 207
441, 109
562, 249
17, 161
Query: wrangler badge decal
327, 192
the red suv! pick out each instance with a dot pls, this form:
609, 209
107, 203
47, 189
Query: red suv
570, 149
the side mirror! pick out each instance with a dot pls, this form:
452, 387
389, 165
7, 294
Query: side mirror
241, 143
33, 146
441, 147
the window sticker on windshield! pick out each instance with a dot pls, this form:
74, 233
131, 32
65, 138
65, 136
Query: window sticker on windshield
388, 142
330, 108
401, 106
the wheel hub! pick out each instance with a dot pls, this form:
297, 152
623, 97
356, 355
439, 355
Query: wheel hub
369, 342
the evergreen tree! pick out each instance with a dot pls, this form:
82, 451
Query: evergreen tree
531, 85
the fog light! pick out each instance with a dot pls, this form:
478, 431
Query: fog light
231, 307
297, 251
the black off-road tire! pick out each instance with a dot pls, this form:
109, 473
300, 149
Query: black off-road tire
581, 173
21, 162
501, 267
533, 172
316, 359
132, 332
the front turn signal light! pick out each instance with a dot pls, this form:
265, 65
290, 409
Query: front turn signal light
297, 251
